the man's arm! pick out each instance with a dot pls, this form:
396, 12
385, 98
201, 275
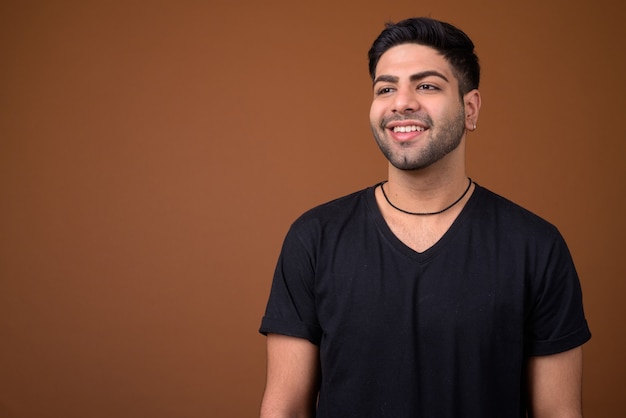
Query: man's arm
555, 385
292, 378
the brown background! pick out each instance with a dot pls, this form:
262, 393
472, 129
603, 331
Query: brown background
153, 155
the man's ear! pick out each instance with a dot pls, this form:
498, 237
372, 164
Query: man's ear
471, 101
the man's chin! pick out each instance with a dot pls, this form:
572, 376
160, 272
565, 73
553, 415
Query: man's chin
409, 165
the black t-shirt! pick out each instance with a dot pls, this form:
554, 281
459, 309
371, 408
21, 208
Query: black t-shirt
442, 333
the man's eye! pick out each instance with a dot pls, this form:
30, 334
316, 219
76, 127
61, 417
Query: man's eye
384, 90
427, 87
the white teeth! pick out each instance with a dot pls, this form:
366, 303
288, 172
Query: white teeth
411, 128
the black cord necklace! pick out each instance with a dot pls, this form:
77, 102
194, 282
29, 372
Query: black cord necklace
425, 213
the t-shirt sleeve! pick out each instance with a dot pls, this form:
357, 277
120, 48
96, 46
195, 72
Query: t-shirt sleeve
291, 306
556, 321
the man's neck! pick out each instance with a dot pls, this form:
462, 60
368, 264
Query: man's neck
436, 200
427, 189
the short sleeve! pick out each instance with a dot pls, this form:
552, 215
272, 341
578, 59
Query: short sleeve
556, 321
291, 306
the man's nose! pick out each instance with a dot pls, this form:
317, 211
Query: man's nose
406, 100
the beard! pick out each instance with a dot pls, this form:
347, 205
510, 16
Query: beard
442, 139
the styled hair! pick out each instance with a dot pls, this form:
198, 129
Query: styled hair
452, 43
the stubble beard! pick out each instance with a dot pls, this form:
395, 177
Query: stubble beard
441, 140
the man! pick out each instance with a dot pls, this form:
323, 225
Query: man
426, 295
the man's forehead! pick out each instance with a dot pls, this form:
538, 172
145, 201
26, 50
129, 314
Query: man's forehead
404, 60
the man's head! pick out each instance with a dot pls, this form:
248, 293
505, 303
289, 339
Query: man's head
452, 43
425, 98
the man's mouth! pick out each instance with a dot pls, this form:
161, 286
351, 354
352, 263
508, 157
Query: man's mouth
409, 128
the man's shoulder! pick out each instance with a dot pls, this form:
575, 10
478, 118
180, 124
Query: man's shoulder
511, 215
338, 210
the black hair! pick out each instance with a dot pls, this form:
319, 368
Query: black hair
452, 43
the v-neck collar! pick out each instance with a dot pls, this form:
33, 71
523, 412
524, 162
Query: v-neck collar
432, 251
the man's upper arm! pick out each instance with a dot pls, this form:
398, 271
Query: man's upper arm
292, 377
555, 385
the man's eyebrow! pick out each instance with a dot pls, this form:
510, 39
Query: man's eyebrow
386, 79
430, 73
414, 77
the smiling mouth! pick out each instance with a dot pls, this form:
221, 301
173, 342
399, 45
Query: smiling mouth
410, 128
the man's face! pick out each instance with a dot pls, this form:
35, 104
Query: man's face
417, 115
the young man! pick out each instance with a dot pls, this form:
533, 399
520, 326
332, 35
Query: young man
426, 295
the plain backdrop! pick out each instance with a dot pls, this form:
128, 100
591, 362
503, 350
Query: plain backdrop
154, 153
